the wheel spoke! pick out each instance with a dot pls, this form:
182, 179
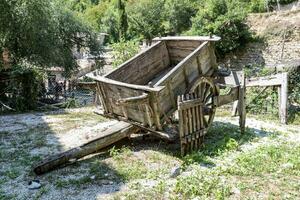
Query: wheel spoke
207, 89
205, 122
202, 89
208, 97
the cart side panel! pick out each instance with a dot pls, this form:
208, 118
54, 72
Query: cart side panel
199, 64
179, 49
133, 112
142, 68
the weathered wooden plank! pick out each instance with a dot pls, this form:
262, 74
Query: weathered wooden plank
283, 98
111, 135
232, 95
127, 85
190, 103
194, 123
273, 80
181, 124
140, 69
181, 65
242, 104
180, 38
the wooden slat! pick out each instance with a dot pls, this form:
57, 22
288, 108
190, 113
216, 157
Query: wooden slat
180, 38
272, 80
191, 125
181, 65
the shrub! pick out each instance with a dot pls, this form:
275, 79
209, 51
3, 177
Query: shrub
223, 18
294, 86
146, 18
258, 6
24, 87
123, 51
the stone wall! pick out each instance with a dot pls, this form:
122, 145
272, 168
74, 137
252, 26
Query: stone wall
269, 54
280, 41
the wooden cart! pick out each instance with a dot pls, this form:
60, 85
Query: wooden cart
175, 73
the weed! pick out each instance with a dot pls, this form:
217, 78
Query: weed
12, 173
269, 159
206, 185
73, 182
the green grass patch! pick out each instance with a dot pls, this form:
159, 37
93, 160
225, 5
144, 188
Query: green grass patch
220, 139
283, 158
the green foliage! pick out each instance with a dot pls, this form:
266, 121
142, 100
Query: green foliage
24, 87
258, 6
269, 159
122, 19
42, 33
146, 18
261, 100
178, 15
294, 86
123, 51
225, 18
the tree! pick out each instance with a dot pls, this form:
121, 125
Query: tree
42, 33
178, 15
122, 21
225, 18
146, 18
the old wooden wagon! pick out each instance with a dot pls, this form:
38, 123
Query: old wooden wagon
175, 73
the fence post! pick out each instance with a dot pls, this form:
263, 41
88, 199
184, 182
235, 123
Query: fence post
283, 98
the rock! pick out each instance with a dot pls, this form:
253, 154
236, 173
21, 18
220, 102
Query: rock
35, 184
93, 177
287, 165
235, 190
175, 172
106, 182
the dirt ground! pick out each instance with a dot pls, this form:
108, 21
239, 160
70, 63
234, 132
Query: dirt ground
144, 164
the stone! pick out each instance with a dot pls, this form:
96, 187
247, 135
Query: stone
35, 184
175, 171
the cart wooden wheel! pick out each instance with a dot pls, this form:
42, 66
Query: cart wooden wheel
205, 90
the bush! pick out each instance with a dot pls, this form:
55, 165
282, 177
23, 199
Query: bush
223, 18
123, 51
24, 88
294, 86
258, 6
146, 19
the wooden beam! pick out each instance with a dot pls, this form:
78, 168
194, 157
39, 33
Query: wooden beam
233, 95
197, 38
273, 80
118, 83
111, 135
283, 101
182, 64
279, 80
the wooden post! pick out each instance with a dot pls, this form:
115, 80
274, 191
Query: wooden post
242, 104
283, 98
234, 108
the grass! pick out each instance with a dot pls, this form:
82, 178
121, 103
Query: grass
283, 158
221, 169
220, 139
145, 164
